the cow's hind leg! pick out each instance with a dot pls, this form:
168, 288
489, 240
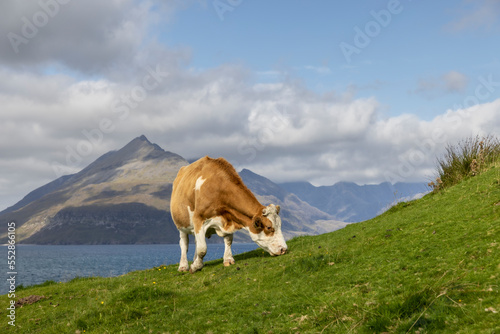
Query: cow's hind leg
200, 252
228, 254
184, 243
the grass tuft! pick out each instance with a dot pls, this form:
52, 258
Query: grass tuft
466, 159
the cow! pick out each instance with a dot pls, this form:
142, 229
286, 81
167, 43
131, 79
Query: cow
208, 196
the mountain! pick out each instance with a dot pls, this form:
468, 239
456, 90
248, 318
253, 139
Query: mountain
124, 198
298, 217
349, 202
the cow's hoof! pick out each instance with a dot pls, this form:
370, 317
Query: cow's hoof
227, 263
192, 271
183, 269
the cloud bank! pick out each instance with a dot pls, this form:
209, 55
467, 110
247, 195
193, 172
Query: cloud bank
80, 88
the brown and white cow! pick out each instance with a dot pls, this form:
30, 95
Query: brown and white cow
209, 197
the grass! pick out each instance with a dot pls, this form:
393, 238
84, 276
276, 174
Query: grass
426, 266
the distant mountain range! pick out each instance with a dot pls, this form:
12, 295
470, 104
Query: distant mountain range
349, 202
124, 198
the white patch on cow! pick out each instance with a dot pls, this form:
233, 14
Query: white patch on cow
274, 245
267, 243
200, 252
199, 183
217, 223
184, 244
228, 254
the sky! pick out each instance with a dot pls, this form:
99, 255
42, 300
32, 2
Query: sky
319, 91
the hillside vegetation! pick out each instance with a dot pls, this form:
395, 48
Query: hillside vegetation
424, 266
468, 158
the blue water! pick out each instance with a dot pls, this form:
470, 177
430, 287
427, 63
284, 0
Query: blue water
36, 264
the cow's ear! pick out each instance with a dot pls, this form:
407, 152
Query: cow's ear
277, 209
257, 223
265, 211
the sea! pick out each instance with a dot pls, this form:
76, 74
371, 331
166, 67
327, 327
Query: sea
36, 264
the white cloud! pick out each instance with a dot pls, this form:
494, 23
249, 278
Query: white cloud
448, 83
455, 81
283, 131
476, 14
42, 33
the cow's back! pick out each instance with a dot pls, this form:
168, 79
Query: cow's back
204, 185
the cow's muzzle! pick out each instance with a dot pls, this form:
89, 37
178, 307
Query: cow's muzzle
281, 251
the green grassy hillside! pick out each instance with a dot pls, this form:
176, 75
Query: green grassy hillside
426, 266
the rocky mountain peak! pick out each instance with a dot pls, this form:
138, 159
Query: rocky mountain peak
133, 184
140, 149
137, 147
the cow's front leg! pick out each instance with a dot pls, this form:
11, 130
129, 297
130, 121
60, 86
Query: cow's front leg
228, 254
200, 252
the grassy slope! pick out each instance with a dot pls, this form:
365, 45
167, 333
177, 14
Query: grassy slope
429, 266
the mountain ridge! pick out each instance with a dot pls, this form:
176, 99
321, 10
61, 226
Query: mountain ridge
137, 180
114, 178
125, 195
349, 202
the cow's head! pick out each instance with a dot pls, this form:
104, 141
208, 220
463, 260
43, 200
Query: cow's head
266, 230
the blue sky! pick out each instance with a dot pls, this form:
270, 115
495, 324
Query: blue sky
420, 44
321, 91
